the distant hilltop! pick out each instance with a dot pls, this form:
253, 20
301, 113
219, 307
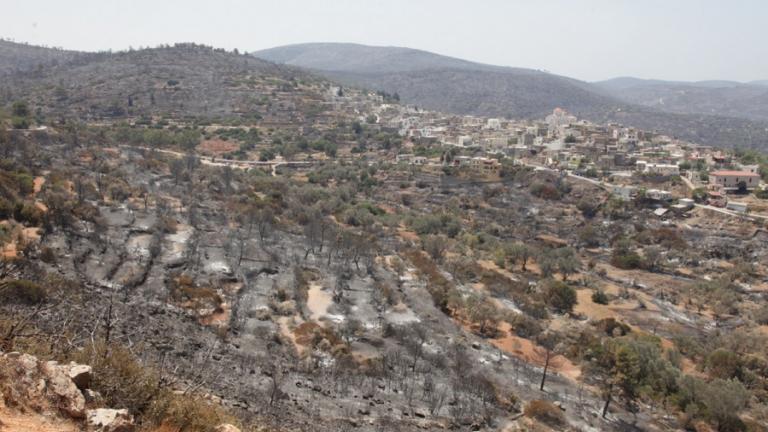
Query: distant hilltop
459, 86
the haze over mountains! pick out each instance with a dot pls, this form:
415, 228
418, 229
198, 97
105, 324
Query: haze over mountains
746, 100
15, 57
694, 111
444, 83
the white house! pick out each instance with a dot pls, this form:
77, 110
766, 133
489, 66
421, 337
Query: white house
733, 180
659, 195
657, 168
493, 124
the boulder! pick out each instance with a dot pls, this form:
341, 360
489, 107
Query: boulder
27, 362
110, 420
81, 375
91, 396
226, 427
60, 386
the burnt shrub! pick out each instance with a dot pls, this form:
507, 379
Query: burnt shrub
546, 191
23, 292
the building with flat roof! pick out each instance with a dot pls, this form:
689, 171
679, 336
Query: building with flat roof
735, 180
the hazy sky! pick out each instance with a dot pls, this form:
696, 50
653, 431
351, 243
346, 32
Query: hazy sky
589, 39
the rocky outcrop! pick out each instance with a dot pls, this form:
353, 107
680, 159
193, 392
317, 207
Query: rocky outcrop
44, 386
63, 390
109, 420
51, 388
81, 375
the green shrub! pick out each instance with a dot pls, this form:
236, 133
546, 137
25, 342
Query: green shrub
725, 364
20, 123
442, 223
600, 297
560, 296
627, 261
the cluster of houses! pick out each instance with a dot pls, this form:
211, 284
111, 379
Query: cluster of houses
561, 141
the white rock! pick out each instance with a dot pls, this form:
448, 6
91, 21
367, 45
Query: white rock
28, 362
110, 420
226, 428
81, 375
60, 385
91, 395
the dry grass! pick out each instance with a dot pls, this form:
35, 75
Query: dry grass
547, 413
124, 382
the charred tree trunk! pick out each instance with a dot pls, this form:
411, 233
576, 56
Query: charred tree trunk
546, 367
607, 399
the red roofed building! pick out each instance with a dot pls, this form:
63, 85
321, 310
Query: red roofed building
735, 180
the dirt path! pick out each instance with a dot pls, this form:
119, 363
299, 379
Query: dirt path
29, 422
318, 302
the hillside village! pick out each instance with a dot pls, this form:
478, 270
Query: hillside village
272, 251
626, 160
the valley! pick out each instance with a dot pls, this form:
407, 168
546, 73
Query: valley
231, 243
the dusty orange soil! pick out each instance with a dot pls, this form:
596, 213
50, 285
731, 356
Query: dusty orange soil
38, 184
318, 302
219, 318
406, 234
11, 421
289, 328
217, 147
530, 352
686, 364
597, 311
10, 250
655, 280
763, 287
387, 208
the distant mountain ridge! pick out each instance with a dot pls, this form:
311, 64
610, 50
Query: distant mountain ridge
629, 82
196, 80
730, 98
458, 86
416, 75
358, 58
